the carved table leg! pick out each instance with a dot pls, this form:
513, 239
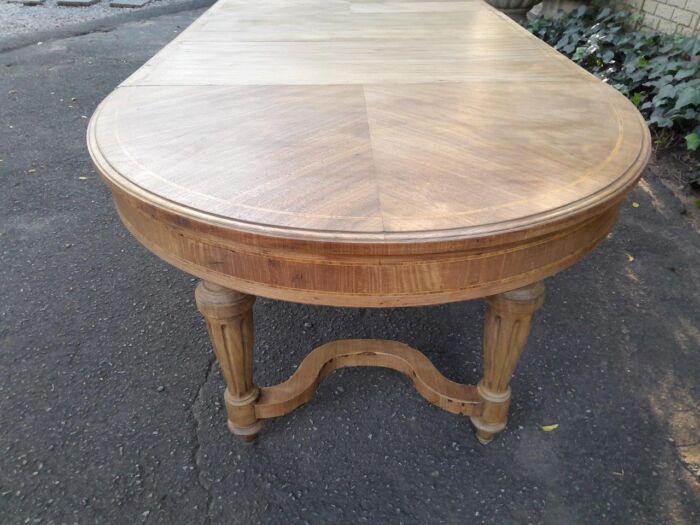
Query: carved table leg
506, 329
229, 317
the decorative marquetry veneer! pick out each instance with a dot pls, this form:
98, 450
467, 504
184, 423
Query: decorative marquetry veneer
366, 154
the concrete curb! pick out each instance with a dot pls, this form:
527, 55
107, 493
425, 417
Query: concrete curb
104, 24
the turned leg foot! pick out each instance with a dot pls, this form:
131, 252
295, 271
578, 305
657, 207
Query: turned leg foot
506, 329
484, 437
229, 317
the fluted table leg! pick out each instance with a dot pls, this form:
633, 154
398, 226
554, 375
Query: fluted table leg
229, 317
506, 330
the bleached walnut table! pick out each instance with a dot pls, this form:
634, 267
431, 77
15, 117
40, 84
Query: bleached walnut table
366, 154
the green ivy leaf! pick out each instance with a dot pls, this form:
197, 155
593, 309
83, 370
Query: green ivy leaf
580, 11
604, 13
667, 91
636, 99
693, 142
660, 120
665, 48
689, 95
689, 114
580, 53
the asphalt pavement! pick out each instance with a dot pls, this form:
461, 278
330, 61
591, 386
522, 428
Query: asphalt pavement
110, 400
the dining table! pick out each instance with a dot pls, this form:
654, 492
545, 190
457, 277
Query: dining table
366, 154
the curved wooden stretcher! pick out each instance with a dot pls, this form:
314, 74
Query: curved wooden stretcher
377, 153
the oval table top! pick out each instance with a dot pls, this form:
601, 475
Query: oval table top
390, 123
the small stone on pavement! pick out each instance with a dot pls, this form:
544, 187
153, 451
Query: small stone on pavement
128, 3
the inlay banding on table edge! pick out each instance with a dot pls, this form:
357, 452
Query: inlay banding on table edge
275, 401
448, 274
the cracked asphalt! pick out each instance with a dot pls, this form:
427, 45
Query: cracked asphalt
110, 401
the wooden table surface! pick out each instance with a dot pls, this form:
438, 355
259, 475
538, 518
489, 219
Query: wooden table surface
310, 141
